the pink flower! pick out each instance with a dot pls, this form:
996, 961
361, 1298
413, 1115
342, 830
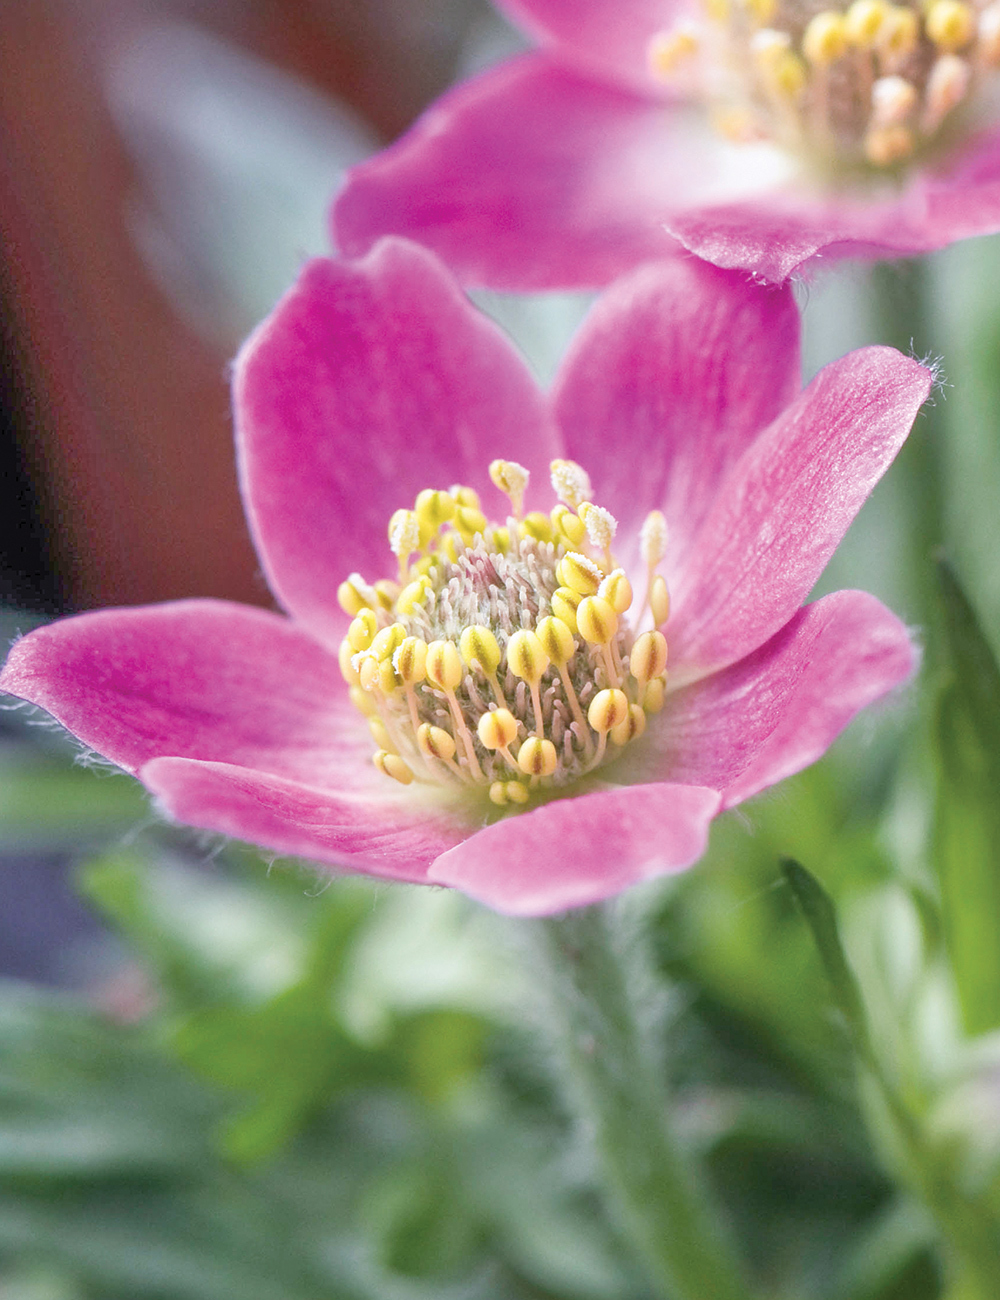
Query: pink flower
856, 136
374, 381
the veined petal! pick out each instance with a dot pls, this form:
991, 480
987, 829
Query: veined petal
612, 36
577, 851
199, 678
370, 381
530, 176
675, 371
378, 834
786, 504
780, 708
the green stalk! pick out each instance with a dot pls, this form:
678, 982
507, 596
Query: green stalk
653, 1191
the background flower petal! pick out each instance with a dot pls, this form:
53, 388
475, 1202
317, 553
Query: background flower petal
531, 176
388, 834
572, 852
780, 708
200, 678
675, 371
370, 381
786, 504
611, 36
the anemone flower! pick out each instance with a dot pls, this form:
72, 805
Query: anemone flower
759, 133
469, 685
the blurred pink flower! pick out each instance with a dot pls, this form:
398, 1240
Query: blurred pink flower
565, 166
375, 380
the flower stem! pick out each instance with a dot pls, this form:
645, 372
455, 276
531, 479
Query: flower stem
654, 1193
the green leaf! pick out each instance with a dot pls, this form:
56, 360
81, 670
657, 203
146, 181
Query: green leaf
967, 815
821, 917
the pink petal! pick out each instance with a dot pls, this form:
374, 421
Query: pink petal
369, 382
674, 372
780, 708
385, 834
612, 36
786, 504
577, 851
530, 176
200, 678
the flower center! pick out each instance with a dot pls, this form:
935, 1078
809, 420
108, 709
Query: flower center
502, 657
869, 85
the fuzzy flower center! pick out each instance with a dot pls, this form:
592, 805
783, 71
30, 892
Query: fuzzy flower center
506, 658
869, 85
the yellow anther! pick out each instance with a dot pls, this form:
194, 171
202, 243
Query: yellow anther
769, 45
655, 694
899, 34
362, 631
601, 526
498, 793
537, 757
517, 792
380, 733
436, 742
386, 593
653, 538
565, 602
404, 534
386, 642
392, 765
512, 478
825, 38
387, 679
717, 10
761, 12
616, 590
362, 701
412, 595
498, 539
444, 665
570, 482
607, 709
631, 727
434, 508
659, 600
893, 101
410, 660
537, 525
950, 24
556, 640
525, 656
469, 520
497, 728
345, 658
465, 496
354, 595
567, 525
667, 51
788, 76
863, 22
479, 646
649, 656
596, 620
579, 573
449, 546
368, 671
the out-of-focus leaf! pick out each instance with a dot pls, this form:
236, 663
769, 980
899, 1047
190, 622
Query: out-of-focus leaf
47, 803
967, 821
441, 1048
893, 1259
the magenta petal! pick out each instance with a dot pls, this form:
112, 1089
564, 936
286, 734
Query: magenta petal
200, 678
530, 176
676, 370
369, 382
577, 851
612, 36
787, 503
779, 709
391, 835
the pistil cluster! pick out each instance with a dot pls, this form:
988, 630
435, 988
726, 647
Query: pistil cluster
501, 658
868, 85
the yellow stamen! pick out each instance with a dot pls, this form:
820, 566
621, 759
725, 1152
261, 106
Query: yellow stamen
950, 24
392, 765
570, 482
512, 478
